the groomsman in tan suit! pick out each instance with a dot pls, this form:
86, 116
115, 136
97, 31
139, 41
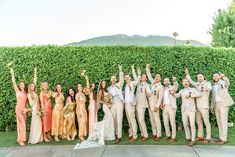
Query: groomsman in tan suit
220, 103
155, 100
130, 103
143, 91
115, 89
202, 105
169, 108
188, 110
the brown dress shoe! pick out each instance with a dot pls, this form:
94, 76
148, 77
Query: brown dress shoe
144, 139
221, 142
118, 140
200, 138
129, 137
217, 140
154, 136
167, 138
141, 137
157, 138
132, 140
172, 140
192, 143
206, 141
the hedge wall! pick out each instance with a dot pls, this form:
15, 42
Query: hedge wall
63, 64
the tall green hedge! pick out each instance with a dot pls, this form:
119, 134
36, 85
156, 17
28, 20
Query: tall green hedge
63, 64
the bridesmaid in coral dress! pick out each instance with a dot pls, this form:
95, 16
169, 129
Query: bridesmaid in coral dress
57, 113
45, 99
92, 108
81, 112
35, 135
21, 98
69, 116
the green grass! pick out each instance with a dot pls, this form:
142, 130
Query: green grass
8, 139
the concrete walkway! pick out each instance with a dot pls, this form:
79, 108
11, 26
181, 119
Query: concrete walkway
119, 151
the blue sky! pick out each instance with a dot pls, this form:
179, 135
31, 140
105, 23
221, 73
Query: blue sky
40, 22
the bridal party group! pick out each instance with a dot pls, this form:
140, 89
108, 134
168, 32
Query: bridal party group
125, 95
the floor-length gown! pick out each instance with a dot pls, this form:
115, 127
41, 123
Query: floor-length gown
102, 130
92, 111
58, 116
47, 117
20, 116
35, 135
81, 115
69, 120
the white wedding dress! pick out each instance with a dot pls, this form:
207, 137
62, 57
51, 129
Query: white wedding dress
102, 130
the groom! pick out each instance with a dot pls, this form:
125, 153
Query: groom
115, 89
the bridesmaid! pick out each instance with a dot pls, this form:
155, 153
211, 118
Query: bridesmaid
45, 99
69, 116
21, 98
81, 112
35, 135
57, 113
92, 108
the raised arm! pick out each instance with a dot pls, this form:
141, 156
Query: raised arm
121, 77
176, 85
149, 73
136, 79
134, 73
13, 80
35, 76
226, 80
188, 77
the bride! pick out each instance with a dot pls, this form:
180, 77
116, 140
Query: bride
103, 130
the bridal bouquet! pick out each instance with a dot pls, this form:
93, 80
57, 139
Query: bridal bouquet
108, 99
41, 112
27, 109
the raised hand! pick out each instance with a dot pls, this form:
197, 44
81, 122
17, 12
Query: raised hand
120, 67
133, 67
222, 75
186, 71
174, 79
139, 72
147, 66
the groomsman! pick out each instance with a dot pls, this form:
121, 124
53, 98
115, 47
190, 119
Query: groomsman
143, 91
115, 89
188, 110
155, 100
169, 108
130, 103
202, 105
220, 103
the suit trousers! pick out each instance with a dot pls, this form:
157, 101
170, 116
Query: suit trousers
117, 112
221, 113
141, 121
130, 114
155, 123
202, 115
169, 115
188, 117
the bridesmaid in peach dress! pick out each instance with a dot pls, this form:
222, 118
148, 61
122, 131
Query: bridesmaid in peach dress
81, 112
35, 135
57, 113
69, 116
21, 97
45, 99
92, 108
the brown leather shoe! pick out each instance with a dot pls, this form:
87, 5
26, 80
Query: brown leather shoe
167, 138
157, 138
192, 143
200, 138
154, 136
221, 142
144, 139
129, 137
206, 141
172, 140
118, 140
132, 140
188, 140
141, 137
217, 140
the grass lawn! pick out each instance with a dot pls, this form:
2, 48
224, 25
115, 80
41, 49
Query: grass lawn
8, 139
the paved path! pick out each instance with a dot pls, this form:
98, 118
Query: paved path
119, 151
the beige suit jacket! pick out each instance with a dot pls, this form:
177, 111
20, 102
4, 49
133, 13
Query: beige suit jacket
171, 97
226, 99
119, 85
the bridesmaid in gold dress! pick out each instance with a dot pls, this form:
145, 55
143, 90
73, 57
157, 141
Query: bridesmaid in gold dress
81, 112
69, 116
57, 113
